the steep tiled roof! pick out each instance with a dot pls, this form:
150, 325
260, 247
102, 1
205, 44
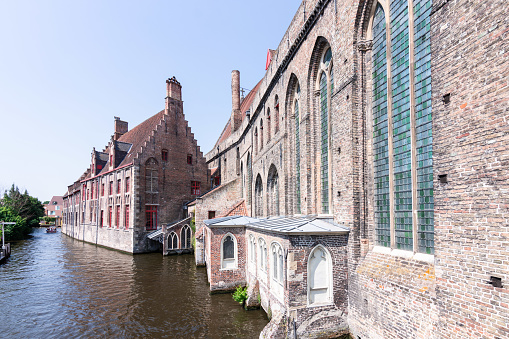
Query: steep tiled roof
135, 137
138, 135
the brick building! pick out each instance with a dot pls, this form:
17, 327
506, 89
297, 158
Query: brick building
139, 182
389, 118
54, 207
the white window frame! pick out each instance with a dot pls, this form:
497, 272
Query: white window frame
330, 278
229, 264
276, 250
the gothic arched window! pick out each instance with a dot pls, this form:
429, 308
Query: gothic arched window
319, 276
402, 133
185, 237
296, 113
272, 191
277, 271
258, 196
173, 241
228, 252
325, 88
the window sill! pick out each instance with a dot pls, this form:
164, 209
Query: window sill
428, 258
321, 305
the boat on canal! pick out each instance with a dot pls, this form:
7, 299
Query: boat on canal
51, 230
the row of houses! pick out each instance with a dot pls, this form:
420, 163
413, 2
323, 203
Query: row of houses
359, 188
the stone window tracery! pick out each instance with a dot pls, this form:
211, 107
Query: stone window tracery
402, 134
296, 113
185, 237
325, 87
277, 263
262, 254
173, 241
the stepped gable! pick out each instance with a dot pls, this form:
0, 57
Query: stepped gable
136, 137
244, 107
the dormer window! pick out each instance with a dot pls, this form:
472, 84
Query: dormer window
164, 155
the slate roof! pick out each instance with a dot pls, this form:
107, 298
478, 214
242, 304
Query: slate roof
286, 225
230, 221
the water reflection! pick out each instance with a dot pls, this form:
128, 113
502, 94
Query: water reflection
55, 286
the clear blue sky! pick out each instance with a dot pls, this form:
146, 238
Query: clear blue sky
68, 67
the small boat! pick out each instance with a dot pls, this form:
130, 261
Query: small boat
51, 230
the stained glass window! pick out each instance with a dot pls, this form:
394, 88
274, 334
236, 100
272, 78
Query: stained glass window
422, 92
404, 126
380, 132
324, 170
297, 155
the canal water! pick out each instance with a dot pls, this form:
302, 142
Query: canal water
54, 287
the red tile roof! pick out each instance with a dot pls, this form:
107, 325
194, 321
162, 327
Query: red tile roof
136, 137
244, 106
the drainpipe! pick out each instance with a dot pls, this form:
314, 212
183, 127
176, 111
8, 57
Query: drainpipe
97, 213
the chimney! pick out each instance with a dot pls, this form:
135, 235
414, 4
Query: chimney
120, 128
173, 89
236, 115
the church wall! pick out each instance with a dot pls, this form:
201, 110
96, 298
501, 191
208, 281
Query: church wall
399, 293
470, 45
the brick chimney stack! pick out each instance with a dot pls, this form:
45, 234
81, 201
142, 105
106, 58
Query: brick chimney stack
173, 89
236, 115
120, 128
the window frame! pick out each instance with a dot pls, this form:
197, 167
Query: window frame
233, 262
195, 187
330, 278
151, 210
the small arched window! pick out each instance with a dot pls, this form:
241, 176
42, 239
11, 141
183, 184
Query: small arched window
268, 125
173, 241
319, 276
262, 253
276, 114
261, 134
252, 248
277, 263
185, 237
256, 140
228, 252
258, 196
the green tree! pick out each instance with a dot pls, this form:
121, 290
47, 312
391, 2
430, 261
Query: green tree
21, 208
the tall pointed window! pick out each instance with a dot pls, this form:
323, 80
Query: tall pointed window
319, 276
185, 237
325, 89
402, 137
268, 125
272, 192
297, 148
173, 241
276, 114
258, 196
